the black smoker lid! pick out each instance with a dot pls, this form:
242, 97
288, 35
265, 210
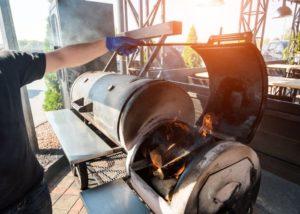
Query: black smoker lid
238, 88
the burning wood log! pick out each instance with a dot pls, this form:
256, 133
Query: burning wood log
169, 142
170, 146
168, 149
164, 187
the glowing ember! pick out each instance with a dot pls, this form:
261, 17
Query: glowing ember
207, 125
180, 171
156, 159
157, 162
171, 146
159, 173
183, 127
167, 149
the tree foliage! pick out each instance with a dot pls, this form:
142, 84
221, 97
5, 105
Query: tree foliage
190, 57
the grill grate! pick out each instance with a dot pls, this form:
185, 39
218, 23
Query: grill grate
107, 169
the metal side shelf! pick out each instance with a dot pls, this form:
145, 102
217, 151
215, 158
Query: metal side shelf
78, 141
115, 197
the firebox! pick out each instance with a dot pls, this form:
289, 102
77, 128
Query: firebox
176, 161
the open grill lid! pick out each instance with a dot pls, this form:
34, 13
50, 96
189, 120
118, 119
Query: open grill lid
238, 88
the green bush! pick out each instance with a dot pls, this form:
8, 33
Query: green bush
190, 57
53, 98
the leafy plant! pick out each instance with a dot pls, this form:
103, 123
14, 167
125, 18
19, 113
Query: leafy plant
53, 98
292, 49
190, 57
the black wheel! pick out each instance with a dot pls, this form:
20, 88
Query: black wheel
82, 175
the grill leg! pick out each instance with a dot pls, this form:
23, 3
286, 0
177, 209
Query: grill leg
80, 171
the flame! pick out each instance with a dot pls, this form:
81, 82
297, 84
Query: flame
207, 125
157, 164
180, 171
183, 127
156, 159
166, 157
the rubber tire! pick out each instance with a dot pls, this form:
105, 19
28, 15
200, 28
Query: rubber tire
82, 176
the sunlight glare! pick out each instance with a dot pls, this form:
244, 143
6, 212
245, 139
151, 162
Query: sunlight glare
207, 19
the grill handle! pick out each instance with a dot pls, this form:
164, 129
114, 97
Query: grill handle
79, 106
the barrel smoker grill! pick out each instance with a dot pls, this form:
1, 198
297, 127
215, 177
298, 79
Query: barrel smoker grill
174, 163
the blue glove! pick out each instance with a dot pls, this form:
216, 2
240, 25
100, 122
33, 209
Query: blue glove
122, 45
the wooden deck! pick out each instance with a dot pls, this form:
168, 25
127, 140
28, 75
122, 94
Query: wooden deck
65, 195
276, 195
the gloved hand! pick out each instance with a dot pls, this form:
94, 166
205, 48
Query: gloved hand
122, 45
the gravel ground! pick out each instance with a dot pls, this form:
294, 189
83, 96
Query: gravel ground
50, 150
46, 137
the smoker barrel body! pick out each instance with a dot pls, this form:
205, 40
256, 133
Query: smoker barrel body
220, 174
122, 105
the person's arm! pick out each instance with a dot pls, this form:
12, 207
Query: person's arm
74, 55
